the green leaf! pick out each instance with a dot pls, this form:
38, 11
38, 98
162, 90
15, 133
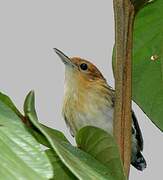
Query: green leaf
53, 133
60, 170
6, 100
21, 156
147, 66
147, 69
138, 4
81, 164
103, 147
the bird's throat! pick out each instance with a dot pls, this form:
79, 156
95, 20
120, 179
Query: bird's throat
87, 104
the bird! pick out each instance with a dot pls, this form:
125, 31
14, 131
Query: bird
89, 101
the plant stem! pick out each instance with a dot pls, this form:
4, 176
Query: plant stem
124, 17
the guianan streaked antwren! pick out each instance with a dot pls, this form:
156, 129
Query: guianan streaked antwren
89, 101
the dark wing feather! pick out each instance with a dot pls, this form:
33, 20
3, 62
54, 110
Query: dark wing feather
139, 136
135, 126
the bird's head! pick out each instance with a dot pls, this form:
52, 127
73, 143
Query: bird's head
80, 71
85, 87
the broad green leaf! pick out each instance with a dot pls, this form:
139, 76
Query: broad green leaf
147, 66
53, 133
39, 137
60, 170
21, 156
138, 4
147, 69
6, 100
102, 146
81, 164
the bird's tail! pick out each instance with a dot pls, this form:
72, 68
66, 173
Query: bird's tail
139, 162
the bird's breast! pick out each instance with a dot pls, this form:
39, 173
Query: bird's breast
87, 108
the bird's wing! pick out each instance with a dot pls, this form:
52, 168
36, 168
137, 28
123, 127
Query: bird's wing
136, 128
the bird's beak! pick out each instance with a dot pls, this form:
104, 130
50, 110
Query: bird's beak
65, 59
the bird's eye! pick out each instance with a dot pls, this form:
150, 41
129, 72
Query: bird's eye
84, 66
